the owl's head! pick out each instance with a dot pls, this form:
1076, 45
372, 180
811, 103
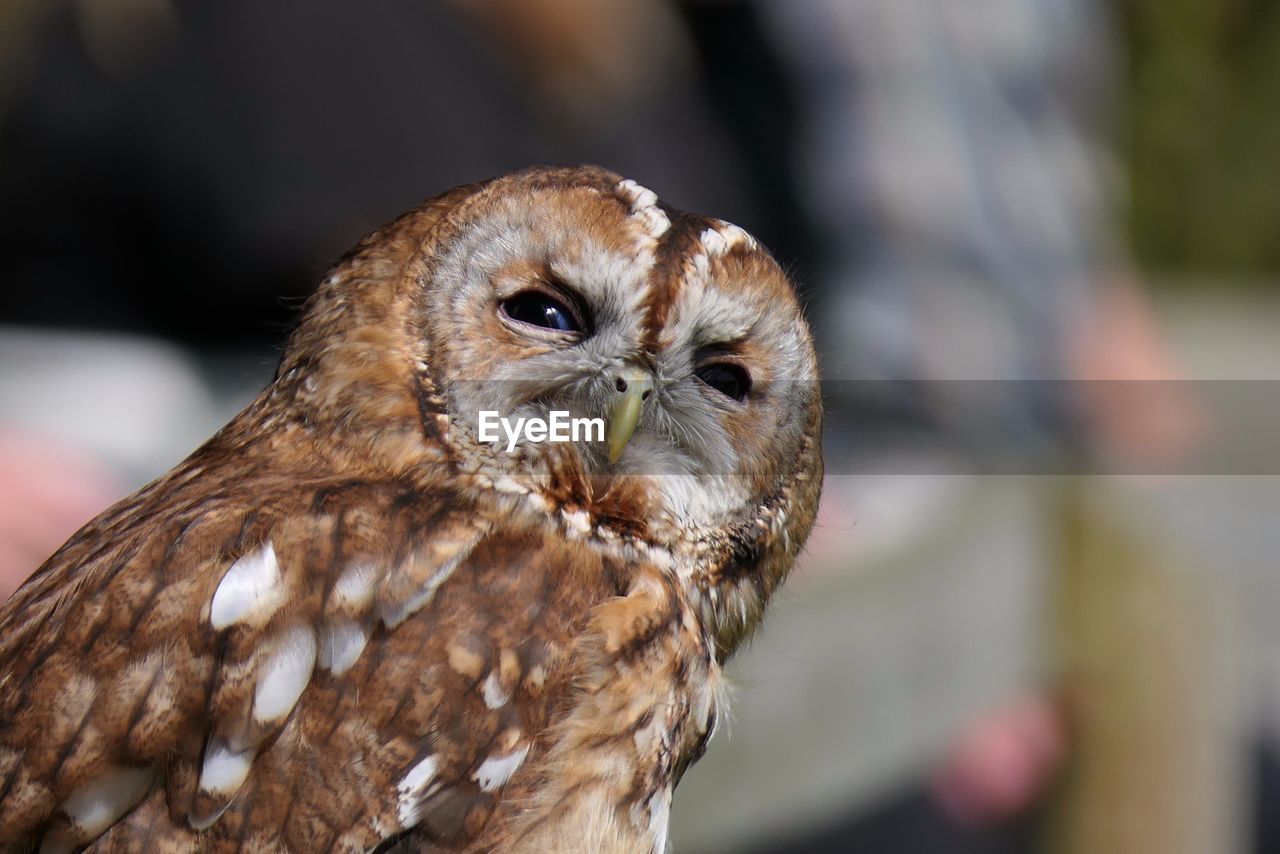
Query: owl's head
576, 291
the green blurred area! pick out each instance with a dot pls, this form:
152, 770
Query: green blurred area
1201, 136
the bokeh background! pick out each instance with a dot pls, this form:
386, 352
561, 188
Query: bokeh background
1039, 241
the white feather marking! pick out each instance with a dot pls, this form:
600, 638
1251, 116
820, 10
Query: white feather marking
416, 786
713, 242
506, 483
393, 613
578, 521
251, 590
724, 238
341, 643
97, 805
494, 695
285, 674
701, 267
736, 236
697, 498
637, 195
659, 819
654, 220
705, 702
355, 587
649, 739
223, 774
495, 771
644, 207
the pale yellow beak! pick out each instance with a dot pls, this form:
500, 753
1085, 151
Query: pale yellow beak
634, 386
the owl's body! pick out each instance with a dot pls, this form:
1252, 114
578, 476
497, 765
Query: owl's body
346, 623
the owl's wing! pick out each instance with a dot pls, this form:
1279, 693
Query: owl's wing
319, 667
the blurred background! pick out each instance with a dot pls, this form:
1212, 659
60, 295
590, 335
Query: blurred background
1039, 241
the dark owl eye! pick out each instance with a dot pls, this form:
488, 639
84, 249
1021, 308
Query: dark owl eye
731, 380
540, 309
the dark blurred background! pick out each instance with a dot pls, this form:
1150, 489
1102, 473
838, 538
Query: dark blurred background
189, 170
1039, 241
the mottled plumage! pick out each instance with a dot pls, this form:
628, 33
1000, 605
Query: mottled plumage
344, 623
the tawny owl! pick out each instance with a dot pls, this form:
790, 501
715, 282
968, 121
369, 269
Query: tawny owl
351, 622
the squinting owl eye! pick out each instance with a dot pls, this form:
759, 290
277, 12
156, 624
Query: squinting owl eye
729, 379
540, 309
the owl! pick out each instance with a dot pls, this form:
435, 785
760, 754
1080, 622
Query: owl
351, 622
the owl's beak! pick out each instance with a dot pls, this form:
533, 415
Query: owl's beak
634, 387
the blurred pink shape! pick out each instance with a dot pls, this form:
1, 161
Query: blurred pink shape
1003, 763
1130, 381
48, 490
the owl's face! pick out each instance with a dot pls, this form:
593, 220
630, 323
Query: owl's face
589, 297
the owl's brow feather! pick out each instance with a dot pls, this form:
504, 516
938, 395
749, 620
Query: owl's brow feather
667, 274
